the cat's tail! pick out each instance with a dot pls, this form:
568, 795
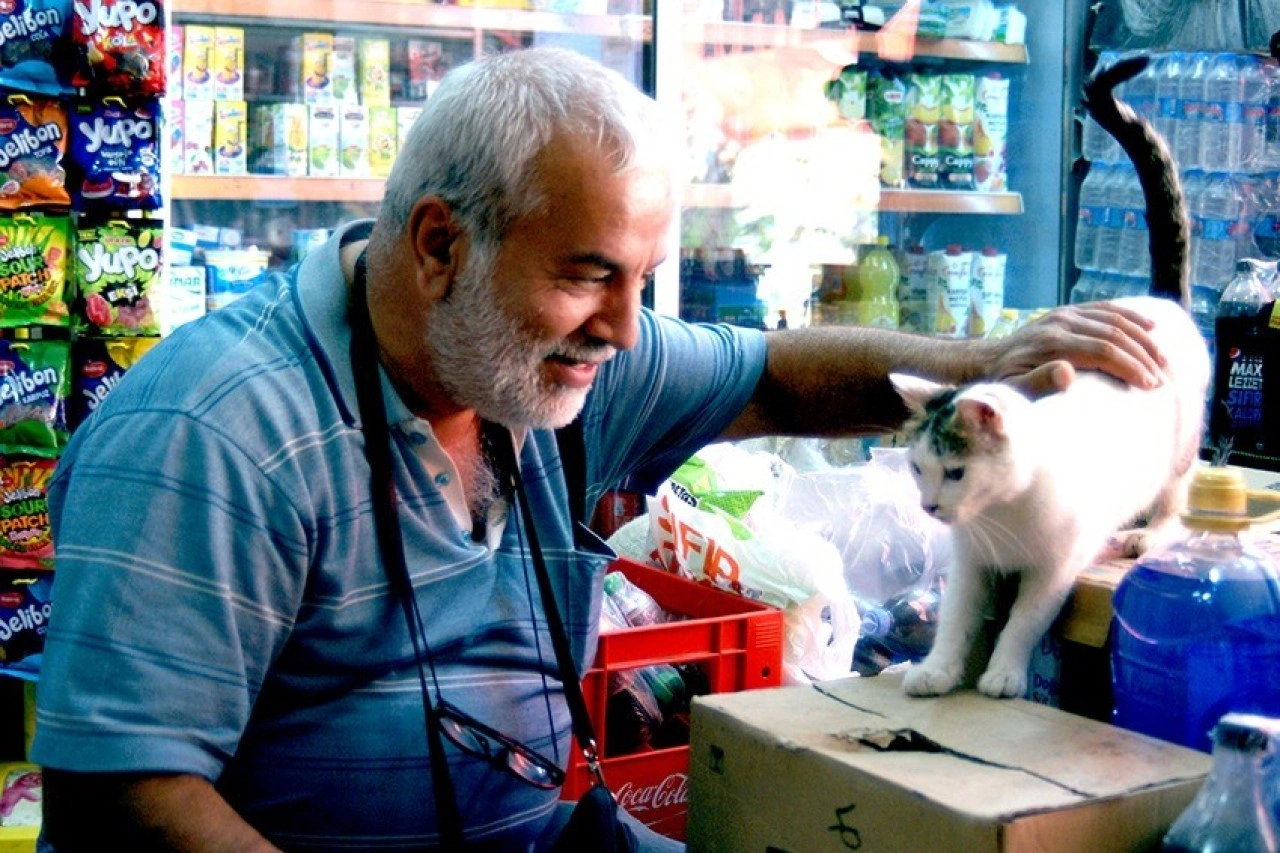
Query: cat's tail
1167, 219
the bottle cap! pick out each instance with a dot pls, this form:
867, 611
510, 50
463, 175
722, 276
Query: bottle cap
613, 583
1217, 500
1245, 732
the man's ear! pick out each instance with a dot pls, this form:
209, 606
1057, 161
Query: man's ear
438, 243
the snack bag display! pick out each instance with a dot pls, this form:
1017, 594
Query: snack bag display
24, 593
34, 252
33, 397
119, 46
21, 793
33, 140
116, 151
35, 40
116, 270
96, 367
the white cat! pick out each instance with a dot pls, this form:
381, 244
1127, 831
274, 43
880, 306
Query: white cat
1038, 488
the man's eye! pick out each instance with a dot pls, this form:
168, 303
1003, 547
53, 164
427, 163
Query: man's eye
953, 474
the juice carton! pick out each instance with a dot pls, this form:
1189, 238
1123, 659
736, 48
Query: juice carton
197, 62
986, 291
290, 138
230, 131
310, 58
174, 157
375, 72
343, 71
322, 141
228, 64
197, 137
990, 133
353, 137
887, 109
382, 140
183, 297
950, 277
955, 132
924, 110
405, 118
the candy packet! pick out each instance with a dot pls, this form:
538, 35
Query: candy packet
116, 273
119, 46
115, 148
96, 367
24, 618
34, 252
34, 39
33, 396
33, 140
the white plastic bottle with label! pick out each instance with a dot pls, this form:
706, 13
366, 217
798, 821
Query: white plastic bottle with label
986, 292
1220, 211
950, 274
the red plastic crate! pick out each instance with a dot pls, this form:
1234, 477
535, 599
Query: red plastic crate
738, 643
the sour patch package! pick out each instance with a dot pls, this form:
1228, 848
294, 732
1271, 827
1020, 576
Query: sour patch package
119, 46
96, 367
24, 620
33, 396
33, 269
33, 138
117, 271
116, 151
33, 42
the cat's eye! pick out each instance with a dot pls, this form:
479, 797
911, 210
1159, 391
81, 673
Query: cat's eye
915, 469
953, 474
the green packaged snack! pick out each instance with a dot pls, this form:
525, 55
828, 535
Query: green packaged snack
33, 396
117, 270
25, 540
33, 269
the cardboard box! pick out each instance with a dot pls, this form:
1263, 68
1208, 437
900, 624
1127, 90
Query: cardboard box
197, 62
228, 64
197, 137
375, 72
857, 764
322, 141
230, 134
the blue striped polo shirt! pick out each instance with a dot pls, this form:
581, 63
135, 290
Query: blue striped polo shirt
220, 607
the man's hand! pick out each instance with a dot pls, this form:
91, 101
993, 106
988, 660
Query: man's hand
1039, 358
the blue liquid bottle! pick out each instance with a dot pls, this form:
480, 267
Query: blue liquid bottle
1196, 632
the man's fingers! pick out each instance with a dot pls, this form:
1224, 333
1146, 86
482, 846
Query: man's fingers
1048, 378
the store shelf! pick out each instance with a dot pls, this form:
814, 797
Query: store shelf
415, 14
274, 188
725, 33
895, 201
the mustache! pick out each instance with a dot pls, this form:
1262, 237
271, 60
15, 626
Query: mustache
595, 352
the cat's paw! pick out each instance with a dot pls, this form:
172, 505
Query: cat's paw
1132, 543
925, 679
1003, 684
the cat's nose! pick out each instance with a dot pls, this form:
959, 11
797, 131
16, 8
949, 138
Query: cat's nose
932, 509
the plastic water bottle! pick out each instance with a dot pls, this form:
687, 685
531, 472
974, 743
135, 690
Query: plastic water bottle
1271, 152
1235, 809
1241, 354
1092, 210
1139, 92
1168, 68
1220, 114
1133, 253
1204, 311
637, 606
1096, 145
1107, 254
1085, 287
1221, 209
1255, 98
1196, 632
900, 629
1186, 136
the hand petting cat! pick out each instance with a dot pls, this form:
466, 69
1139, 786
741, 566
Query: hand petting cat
1041, 358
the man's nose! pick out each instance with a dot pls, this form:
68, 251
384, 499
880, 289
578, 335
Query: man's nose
617, 321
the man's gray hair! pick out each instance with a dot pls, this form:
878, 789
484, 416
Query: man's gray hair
477, 139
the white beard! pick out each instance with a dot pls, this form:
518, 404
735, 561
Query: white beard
487, 360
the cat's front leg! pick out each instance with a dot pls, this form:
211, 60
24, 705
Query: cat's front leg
1041, 593
959, 620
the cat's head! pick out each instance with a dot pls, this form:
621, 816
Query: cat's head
959, 445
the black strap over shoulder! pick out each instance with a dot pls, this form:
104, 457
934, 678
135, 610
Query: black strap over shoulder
573, 457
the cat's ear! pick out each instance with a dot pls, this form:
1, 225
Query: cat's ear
980, 416
914, 391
